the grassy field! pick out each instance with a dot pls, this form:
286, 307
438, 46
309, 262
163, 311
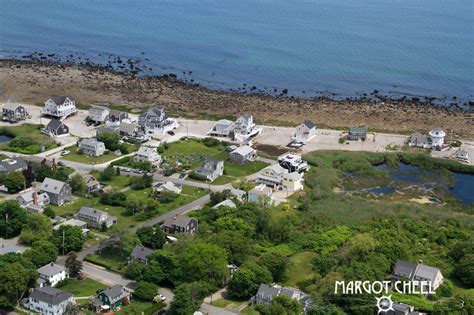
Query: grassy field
32, 136
117, 182
85, 287
300, 269
187, 147
125, 221
228, 302
238, 170
112, 262
74, 156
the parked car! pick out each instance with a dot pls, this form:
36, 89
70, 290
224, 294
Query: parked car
171, 133
65, 152
182, 175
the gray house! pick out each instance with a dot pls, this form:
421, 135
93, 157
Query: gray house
180, 224
14, 112
222, 128
56, 128
243, 155
154, 118
91, 147
8, 166
116, 116
140, 253
95, 218
357, 133
402, 309
419, 140
267, 293
211, 169
59, 192
98, 113
406, 271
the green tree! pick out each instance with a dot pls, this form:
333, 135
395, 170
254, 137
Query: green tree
38, 227
189, 297
41, 253
247, 279
68, 238
135, 271
153, 272
134, 204
276, 263
145, 291
15, 182
49, 212
42, 172
16, 279
12, 218
73, 265
152, 237
110, 140
203, 261
78, 185
283, 305
108, 173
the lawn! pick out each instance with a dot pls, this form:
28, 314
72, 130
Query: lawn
126, 221
109, 261
189, 146
222, 180
138, 307
74, 156
228, 302
117, 182
26, 139
241, 170
300, 268
85, 287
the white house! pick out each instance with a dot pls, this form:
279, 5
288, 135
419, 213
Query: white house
245, 127
95, 218
222, 128
304, 132
148, 154
155, 121
60, 106
272, 176
98, 113
49, 301
211, 169
437, 137
92, 147
167, 187
259, 192
419, 140
51, 274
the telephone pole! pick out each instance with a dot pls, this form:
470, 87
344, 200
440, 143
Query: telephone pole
63, 242
6, 225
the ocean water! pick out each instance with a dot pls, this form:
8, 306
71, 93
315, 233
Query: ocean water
310, 47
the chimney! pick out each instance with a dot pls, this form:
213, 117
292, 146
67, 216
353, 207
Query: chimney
54, 164
35, 198
52, 264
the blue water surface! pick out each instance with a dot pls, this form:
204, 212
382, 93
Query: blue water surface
410, 47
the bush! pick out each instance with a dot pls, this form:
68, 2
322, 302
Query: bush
145, 291
210, 142
197, 176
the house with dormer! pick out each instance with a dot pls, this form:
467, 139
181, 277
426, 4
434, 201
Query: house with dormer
304, 133
60, 107
272, 176
211, 169
14, 112
59, 192
148, 154
155, 121
95, 218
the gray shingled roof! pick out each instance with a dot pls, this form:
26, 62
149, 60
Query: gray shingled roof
51, 269
54, 124
141, 252
267, 291
426, 272
50, 295
180, 220
114, 292
12, 165
404, 269
52, 186
88, 211
309, 124
58, 100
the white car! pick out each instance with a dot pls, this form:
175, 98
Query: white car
162, 297
65, 152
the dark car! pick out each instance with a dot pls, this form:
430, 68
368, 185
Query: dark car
171, 133
182, 175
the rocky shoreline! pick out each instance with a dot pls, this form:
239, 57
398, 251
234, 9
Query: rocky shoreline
33, 81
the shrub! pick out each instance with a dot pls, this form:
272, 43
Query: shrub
145, 291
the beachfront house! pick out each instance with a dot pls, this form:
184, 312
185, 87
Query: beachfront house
51, 274
222, 128
132, 132
462, 156
155, 121
49, 301
245, 127
140, 253
91, 147
14, 112
266, 293
60, 107
357, 133
117, 117
293, 162
437, 138
12, 165
211, 169
56, 128
59, 192
180, 224
243, 155
95, 218
419, 140
272, 176
304, 133
98, 114
148, 154
33, 198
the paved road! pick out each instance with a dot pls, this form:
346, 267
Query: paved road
161, 178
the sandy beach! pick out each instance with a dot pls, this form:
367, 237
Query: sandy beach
33, 82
